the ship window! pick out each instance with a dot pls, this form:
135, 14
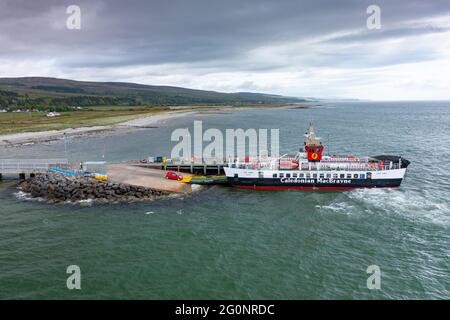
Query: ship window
363, 176
308, 175
349, 175
315, 175
328, 175
301, 175
274, 175
342, 176
322, 175
294, 175
281, 175
355, 176
335, 175
288, 175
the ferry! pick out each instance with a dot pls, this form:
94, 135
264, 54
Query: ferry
311, 169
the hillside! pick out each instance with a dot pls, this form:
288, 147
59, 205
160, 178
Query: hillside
62, 94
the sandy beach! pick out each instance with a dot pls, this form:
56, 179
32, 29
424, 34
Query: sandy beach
43, 136
153, 120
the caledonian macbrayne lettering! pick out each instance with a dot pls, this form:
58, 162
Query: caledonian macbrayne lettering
299, 180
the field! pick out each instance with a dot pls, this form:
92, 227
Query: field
85, 104
14, 122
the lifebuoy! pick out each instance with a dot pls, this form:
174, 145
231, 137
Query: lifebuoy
314, 156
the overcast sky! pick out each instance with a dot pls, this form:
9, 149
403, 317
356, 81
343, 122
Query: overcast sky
299, 48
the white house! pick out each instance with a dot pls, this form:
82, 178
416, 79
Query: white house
53, 114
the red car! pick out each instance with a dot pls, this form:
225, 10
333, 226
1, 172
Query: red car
173, 176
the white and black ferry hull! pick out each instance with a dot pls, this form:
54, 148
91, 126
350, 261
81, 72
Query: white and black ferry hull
265, 180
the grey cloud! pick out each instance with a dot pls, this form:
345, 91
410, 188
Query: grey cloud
208, 32
384, 34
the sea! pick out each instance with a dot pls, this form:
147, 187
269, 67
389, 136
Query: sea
225, 243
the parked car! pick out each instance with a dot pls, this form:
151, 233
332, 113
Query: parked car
173, 176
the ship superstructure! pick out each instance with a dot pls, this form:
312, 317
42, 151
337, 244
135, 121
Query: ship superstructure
312, 170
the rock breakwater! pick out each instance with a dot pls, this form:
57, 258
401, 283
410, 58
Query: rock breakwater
56, 187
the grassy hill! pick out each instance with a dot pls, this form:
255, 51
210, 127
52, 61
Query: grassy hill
61, 94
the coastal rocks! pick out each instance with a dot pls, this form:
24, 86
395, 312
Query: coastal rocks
56, 187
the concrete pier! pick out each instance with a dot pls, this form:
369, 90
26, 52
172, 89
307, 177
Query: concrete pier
137, 175
192, 168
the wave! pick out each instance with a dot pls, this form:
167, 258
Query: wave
410, 204
26, 196
416, 205
23, 196
342, 207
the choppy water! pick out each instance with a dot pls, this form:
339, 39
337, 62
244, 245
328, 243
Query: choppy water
226, 243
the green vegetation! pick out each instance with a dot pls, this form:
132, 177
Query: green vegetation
14, 122
84, 104
50, 94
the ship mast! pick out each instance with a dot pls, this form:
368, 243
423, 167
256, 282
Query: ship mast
313, 145
311, 139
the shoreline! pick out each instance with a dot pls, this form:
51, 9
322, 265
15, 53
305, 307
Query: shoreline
148, 121
25, 138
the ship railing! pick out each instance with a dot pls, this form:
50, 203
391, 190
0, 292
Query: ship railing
322, 167
346, 159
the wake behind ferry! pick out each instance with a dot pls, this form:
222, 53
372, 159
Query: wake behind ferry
312, 170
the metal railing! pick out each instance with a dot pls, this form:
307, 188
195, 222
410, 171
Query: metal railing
19, 165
